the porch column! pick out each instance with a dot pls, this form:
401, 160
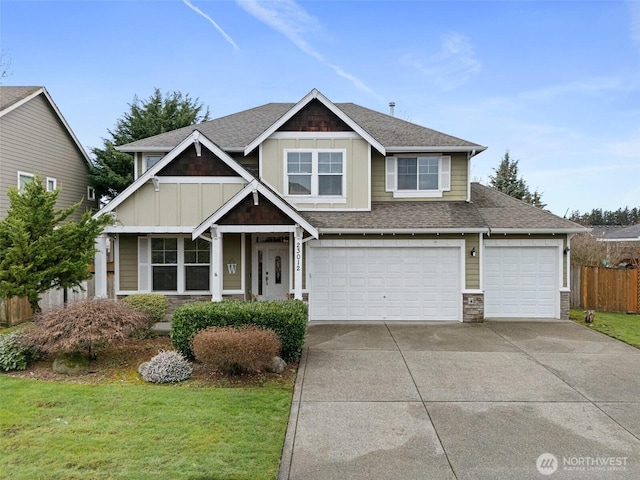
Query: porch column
100, 263
297, 264
216, 266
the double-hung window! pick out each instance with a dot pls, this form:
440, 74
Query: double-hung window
23, 180
164, 264
315, 173
418, 176
197, 260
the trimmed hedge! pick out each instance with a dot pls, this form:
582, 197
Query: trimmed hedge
154, 304
288, 318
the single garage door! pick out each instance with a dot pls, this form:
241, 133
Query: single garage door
384, 283
521, 282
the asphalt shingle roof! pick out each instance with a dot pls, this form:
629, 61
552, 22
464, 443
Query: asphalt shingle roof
488, 209
234, 132
632, 232
11, 95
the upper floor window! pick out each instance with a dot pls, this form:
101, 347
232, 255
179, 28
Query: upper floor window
150, 160
418, 176
91, 193
52, 184
315, 173
23, 180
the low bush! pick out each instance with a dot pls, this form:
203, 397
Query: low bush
154, 304
84, 326
14, 355
235, 350
287, 318
168, 366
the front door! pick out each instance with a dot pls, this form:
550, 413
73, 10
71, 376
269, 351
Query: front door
273, 271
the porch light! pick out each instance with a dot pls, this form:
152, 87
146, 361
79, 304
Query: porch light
473, 252
566, 250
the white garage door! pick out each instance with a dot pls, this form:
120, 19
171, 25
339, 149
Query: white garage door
521, 282
384, 283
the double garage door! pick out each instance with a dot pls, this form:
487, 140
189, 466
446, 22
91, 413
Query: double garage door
521, 281
374, 281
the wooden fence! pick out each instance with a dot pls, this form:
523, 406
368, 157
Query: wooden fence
605, 289
17, 310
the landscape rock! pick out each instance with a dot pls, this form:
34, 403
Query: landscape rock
71, 364
277, 365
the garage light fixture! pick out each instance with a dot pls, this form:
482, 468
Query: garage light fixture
473, 252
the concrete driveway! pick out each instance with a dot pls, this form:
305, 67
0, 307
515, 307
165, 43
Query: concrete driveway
463, 401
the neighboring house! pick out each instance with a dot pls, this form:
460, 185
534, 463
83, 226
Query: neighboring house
367, 216
627, 239
35, 139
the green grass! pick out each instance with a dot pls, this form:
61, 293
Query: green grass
625, 327
71, 431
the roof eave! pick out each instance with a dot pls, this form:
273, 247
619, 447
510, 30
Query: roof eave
399, 231
537, 231
473, 149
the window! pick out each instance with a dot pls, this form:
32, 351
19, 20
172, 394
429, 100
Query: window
315, 173
164, 264
23, 180
418, 176
150, 161
91, 193
197, 259
52, 184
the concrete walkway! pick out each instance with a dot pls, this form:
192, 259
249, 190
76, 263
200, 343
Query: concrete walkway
463, 401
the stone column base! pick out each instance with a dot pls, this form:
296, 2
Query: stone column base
472, 307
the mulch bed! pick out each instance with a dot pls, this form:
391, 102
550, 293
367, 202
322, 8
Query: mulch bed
118, 363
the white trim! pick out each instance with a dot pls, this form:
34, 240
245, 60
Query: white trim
135, 165
168, 158
369, 187
232, 292
91, 193
216, 274
136, 150
116, 262
524, 242
201, 180
536, 231
627, 239
481, 261
256, 228
52, 180
314, 135
398, 231
444, 177
473, 291
23, 174
148, 229
314, 94
436, 149
353, 243
314, 196
21, 102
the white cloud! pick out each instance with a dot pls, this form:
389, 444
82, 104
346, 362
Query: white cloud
454, 65
207, 17
292, 21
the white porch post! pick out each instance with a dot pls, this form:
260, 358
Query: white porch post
100, 262
297, 264
216, 266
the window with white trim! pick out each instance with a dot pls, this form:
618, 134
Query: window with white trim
418, 176
315, 172
52, 184
91, 193
23, 180
174, 264
149, 161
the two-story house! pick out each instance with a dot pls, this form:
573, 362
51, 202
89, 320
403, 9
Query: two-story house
35, 139
367, 216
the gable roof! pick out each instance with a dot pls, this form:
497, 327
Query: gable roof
194, 138
242, 131
489, 211
625, 234
255, 186
12, 98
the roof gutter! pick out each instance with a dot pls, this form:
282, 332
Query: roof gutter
537, 231
474, 149
398, 231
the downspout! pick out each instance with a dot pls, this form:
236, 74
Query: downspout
470, 155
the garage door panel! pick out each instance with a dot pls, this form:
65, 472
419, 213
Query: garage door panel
395, 283
521, 282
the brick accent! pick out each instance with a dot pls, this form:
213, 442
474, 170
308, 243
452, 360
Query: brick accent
188, 164
315, 117
565, 304
246, 213
473, 312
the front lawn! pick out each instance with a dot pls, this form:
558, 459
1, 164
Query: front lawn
625, 327
124, 431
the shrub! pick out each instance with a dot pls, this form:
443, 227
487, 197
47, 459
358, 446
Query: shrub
152, 303
166, 367
234, 350
288, 318
14, 355
84, 326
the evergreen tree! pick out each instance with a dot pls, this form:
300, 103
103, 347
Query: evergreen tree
112, 171
507, 180
40, 248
